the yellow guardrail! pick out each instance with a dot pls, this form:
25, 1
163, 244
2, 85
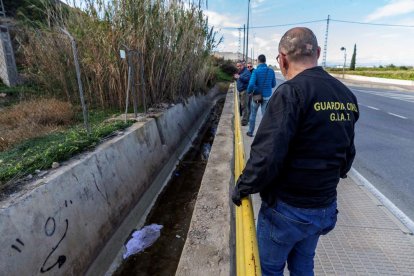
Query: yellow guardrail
247, 253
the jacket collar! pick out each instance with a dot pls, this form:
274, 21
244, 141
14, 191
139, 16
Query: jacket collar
242, 71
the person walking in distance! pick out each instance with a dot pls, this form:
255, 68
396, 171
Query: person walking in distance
303, 146
243, 77
261, 82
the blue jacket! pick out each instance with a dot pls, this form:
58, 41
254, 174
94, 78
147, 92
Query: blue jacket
243, 81
257, 81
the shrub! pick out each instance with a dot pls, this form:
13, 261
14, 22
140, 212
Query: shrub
228, 67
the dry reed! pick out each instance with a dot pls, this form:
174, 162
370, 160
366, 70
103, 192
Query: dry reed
173, 37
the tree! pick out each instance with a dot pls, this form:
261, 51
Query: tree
352, 66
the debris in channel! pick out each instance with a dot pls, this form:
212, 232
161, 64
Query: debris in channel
205, 151
142, 239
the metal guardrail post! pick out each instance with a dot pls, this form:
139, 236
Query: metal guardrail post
247, 253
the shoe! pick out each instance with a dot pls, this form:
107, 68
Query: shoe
249, 134
244, 124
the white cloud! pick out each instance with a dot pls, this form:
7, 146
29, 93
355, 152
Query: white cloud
406, 21
261, 43
395, 7
222, 20
256, 3
234, 33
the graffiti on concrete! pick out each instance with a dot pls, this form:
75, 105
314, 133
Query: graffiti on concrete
51, 260
15, 247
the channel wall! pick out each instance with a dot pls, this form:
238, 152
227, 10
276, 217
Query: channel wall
59, 224
210, 243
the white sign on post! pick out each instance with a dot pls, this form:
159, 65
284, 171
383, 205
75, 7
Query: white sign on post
122, 54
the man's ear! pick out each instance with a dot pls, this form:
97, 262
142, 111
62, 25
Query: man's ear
284, 65
319, 51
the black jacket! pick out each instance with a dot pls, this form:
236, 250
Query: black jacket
304, 144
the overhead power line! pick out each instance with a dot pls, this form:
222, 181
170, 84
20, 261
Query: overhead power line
322, 20
374, 24
272, 26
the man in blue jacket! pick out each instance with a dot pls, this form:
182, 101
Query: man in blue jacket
243, 77
262, 81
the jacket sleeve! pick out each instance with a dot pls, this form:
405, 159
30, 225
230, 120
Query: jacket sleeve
350, 152
350, 155
271, 144
252, 82
273, 79
245, 76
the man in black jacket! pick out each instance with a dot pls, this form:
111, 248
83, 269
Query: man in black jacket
304, 145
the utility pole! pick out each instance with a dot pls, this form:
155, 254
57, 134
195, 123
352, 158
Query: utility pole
253, 56
325, 47
244, 40
239, 48
247, 39
343, 68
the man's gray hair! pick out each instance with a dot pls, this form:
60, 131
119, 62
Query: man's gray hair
299, 44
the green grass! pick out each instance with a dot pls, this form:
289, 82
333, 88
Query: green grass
40, 153
394, 72
16, 90
15, 93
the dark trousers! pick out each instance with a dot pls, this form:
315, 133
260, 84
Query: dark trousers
245, 110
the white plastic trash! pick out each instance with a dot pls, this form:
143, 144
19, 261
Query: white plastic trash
142, 239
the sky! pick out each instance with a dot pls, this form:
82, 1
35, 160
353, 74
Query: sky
376, 45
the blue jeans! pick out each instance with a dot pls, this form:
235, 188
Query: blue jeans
289, 234
253, 112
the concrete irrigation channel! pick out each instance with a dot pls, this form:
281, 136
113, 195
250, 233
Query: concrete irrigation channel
76, 220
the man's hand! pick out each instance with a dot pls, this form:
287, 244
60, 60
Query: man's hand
235, 196
236, 76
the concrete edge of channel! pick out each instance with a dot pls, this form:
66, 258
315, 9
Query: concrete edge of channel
208, 247
59, 224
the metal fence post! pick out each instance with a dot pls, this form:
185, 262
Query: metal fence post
78, 75
142, 82
131, 79
134, 95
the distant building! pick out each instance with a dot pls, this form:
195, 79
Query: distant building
230, 56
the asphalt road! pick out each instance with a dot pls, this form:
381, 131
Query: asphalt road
385, 143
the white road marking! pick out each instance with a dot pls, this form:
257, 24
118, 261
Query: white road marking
372, 107
393, 95
357, 177
396, 115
